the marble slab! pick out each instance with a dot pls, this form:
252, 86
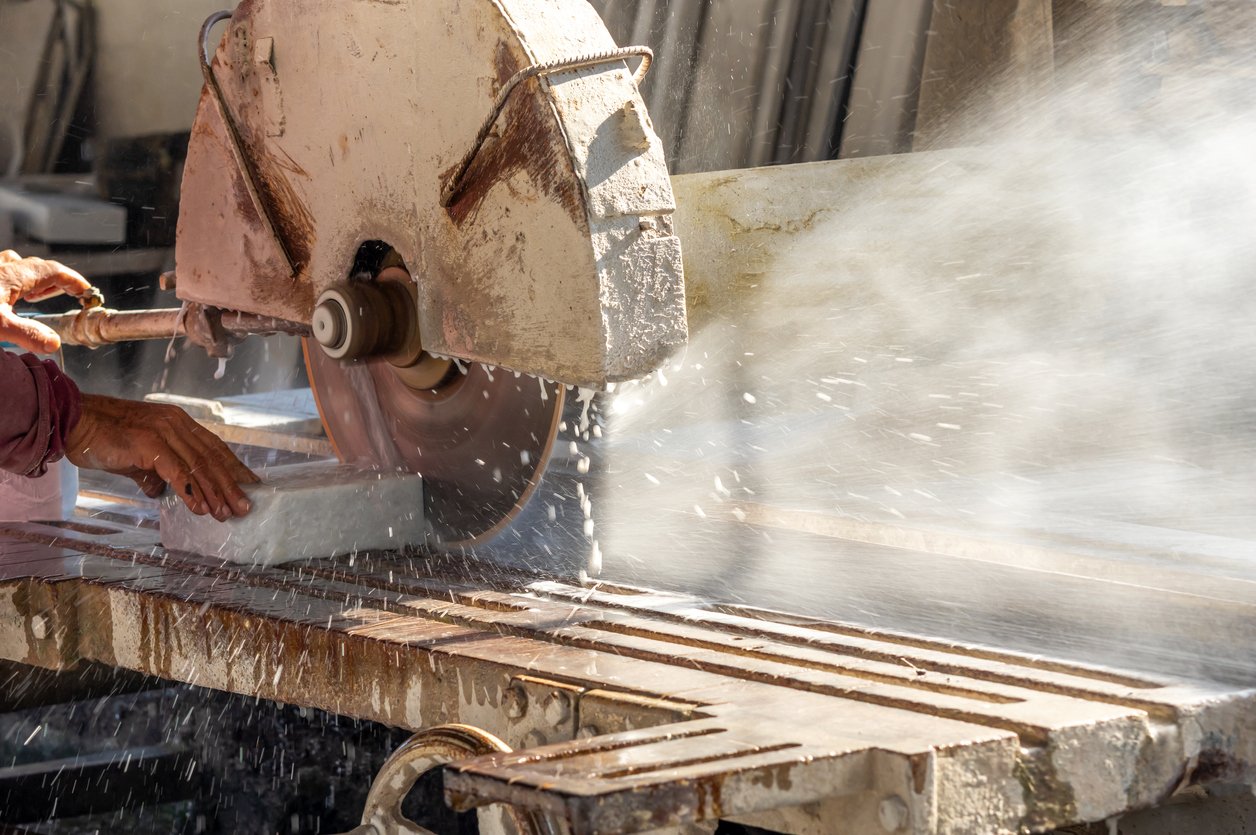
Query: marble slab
306, 511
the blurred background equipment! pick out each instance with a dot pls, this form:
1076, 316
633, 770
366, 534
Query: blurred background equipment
51, 44
766, 82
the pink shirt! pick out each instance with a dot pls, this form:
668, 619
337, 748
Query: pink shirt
39, 407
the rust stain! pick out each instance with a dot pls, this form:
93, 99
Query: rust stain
95, 609
359, 654
921, 767
256, 277
505, 65
289, 164
209, 132
528, 139
244, 202
1216, 765
22, 604
293, 218
1049, 799
247, 9
296, 661
709, 792
269, 285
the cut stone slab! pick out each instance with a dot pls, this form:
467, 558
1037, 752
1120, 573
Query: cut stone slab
306, 511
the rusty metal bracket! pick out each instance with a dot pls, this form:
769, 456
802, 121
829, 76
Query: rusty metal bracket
92, 299
421, 753
204, 326
457, 181
236, 142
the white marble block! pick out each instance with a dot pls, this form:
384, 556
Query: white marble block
305, 511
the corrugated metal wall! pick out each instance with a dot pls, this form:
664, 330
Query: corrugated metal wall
742, 83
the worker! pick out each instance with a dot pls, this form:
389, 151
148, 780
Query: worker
45, 417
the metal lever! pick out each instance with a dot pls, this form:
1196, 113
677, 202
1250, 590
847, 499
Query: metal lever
211, 328
234, 140
454, 186
424, 751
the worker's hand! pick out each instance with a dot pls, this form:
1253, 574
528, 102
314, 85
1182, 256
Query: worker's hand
158, 445
32, 280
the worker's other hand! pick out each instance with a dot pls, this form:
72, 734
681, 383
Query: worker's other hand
157, 445
33, 280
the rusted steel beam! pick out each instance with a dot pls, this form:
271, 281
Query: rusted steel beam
99, 326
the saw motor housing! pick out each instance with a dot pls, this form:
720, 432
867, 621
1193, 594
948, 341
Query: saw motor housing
325, 126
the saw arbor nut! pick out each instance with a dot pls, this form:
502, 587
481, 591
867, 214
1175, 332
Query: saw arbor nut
359, 319
363, 318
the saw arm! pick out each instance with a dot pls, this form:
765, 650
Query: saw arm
436, 194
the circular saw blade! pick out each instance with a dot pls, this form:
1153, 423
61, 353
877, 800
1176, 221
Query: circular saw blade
483, 441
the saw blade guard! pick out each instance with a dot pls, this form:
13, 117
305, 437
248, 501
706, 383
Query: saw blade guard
520, 178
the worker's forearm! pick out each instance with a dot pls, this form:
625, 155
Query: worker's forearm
39, 406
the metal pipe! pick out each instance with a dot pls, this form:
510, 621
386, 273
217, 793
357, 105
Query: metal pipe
97, 327
100, 326
248, 324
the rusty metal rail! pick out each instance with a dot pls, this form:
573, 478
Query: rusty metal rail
99, 326
630, 709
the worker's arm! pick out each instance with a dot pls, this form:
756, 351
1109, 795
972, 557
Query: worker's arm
155, 445
45, 416
40, 406
32, 280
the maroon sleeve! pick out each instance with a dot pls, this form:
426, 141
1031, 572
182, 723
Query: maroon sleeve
39, 407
